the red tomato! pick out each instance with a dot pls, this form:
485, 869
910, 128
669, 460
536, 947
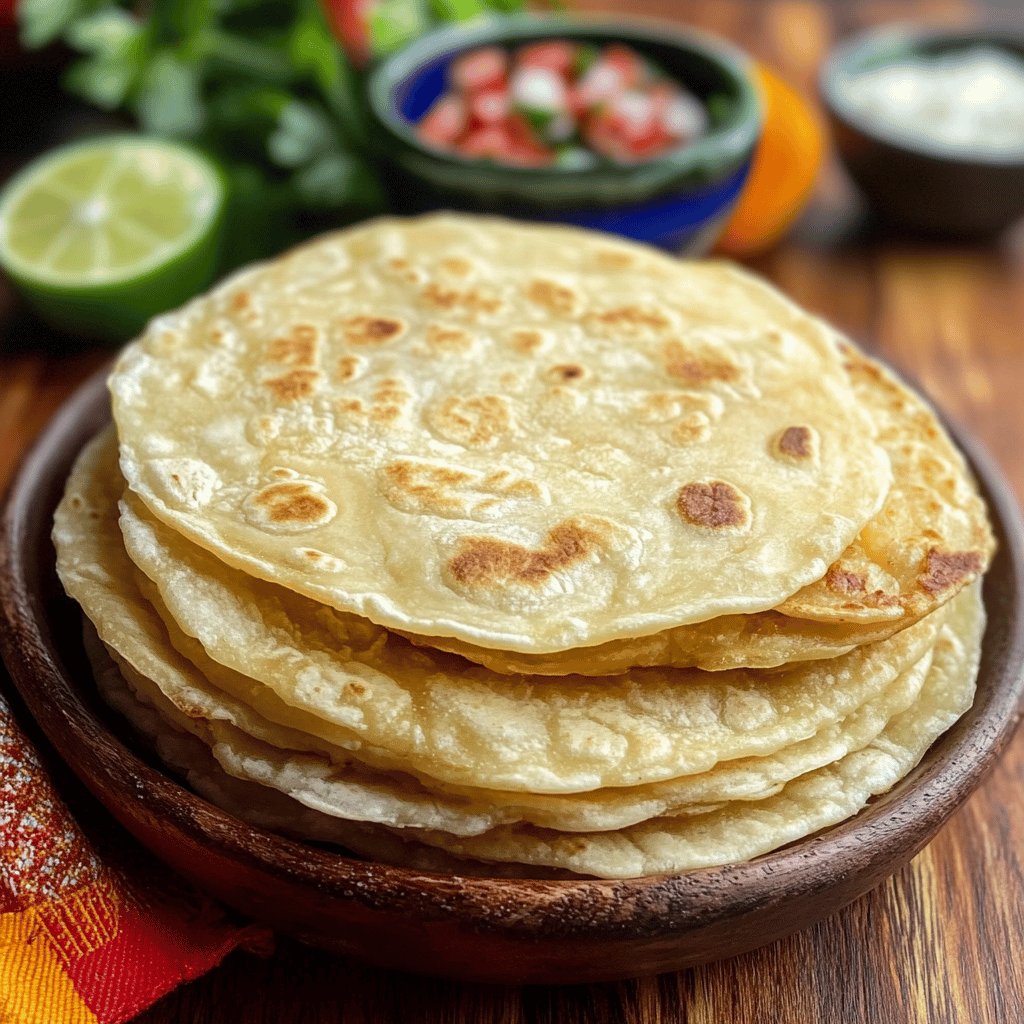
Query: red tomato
492, 142
632, 114
349, 20
626, 62
479, 69
444, 122
489, 106
552, 54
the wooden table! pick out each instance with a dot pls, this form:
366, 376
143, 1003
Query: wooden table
941, 943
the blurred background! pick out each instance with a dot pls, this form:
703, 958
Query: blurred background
867, 155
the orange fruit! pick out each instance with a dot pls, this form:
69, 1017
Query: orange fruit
785, 166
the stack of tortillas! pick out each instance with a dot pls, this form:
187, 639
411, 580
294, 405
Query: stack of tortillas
506, 549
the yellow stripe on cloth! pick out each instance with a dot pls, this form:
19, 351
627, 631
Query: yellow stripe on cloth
33, 986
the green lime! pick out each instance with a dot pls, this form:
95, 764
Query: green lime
104, 234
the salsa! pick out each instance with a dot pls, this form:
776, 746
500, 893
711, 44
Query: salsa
558, 102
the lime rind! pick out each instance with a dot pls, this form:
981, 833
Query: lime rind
53, 199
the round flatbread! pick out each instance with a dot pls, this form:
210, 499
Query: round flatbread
930, 539
402, 708
525, 437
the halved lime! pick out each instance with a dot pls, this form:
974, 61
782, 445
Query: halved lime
104, 234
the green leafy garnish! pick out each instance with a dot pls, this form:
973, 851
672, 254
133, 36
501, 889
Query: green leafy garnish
262, 86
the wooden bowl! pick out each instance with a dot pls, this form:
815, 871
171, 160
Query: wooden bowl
516, 931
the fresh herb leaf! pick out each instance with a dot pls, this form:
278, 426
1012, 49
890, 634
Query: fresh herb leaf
169, 100
43, 21
118, 45
393, 23
458, 10
341, 181
303, 133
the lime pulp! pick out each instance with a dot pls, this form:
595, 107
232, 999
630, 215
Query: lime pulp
102, 235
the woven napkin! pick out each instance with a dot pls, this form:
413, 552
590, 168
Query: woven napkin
92, 929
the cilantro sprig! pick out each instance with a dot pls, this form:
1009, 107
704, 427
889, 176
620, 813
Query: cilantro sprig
261, 85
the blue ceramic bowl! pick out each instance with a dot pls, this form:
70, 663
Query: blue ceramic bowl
680, 200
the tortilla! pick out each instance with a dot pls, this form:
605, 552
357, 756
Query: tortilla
525, 437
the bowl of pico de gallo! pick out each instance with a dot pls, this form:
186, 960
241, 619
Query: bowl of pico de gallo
638, 128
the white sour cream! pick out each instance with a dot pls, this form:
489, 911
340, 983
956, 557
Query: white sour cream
970, 102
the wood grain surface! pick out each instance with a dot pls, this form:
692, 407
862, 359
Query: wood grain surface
941, 942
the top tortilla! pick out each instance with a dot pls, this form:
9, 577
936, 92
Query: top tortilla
529, 438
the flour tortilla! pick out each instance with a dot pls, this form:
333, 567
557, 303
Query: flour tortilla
465, 725
525, 437
931, 539
402, 709
334, 782
736, 832
745, 830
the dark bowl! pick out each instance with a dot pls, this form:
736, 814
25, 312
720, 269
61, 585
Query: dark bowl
483, 929
680, 200
927, 187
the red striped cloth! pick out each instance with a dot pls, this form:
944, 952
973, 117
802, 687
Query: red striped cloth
90, 934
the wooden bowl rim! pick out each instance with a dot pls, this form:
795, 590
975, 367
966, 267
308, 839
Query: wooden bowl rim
884, 834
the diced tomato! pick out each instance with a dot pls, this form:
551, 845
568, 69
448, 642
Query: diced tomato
627, 62
598, 132
632, 113
560, 101
530, 156
556, 55
349, 20
489, 106
484, 68
493, 142
521, 131
651, 142
444, 122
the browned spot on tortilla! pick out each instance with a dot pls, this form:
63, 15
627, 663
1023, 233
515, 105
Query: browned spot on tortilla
312, 554
796, 442
457, 266
386, 413
430, 485
480, 561
371, 330
293, 385
695, 368
691, 429
280, 473
348, 367
470, 300
526, 340
614, 259
241, 301
712, 504
296, 348
356, 689
402, 268
447, 337
845, 581
945, 569
553, 296
292, 504
568, 371
508, 483
350, 405
629, 320
410, 475
477, 420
